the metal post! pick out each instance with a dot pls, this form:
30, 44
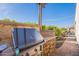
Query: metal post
40, 16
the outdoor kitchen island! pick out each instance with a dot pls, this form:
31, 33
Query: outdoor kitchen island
45, 48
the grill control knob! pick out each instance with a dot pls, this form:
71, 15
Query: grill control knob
27, 54
35, 50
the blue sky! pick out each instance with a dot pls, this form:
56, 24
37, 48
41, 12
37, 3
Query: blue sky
58, 14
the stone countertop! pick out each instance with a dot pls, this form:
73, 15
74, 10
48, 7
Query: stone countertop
49, 38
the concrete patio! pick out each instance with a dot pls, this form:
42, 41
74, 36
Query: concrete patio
69, 48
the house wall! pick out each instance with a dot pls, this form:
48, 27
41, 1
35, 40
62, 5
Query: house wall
77, 22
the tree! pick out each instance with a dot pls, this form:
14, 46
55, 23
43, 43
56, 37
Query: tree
14, 21
6, 20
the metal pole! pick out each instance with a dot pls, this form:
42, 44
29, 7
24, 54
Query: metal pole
40, 16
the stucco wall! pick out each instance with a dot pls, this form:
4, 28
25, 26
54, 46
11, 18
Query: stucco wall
77, 22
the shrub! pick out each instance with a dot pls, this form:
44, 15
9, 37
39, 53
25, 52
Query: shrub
44, 27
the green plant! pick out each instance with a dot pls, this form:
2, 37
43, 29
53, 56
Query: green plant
51, 27
44, 27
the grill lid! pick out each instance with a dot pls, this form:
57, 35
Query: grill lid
25, 37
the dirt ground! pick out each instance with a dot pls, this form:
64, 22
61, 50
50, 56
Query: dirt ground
5, 34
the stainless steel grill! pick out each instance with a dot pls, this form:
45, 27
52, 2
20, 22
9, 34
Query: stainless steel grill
26, 37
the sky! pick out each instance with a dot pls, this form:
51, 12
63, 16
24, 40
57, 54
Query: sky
57, 14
